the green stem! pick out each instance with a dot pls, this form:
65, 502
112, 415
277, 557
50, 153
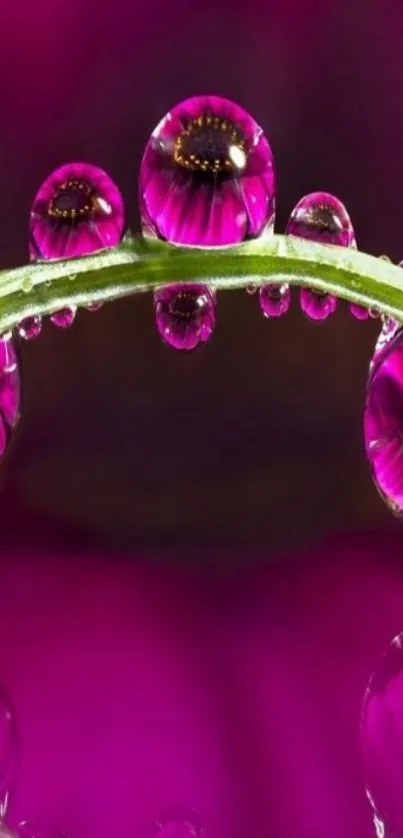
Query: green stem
136, 265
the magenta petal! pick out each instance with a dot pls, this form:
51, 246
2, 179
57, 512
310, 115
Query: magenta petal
207, 177
78, 210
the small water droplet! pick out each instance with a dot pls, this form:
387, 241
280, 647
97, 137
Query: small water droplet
275, 300
27, 284
317, 305
30, 327
72, 277
321, 217
251, 289
385, 258
64, 317
359, 312
374, 311
185, 314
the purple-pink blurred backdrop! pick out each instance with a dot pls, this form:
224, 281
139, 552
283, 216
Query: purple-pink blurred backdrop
233, 685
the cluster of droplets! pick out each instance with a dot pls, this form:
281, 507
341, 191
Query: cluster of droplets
206, 180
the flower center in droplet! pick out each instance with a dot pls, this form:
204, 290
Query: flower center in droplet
211, 144
323, 219
184, 306
73, 200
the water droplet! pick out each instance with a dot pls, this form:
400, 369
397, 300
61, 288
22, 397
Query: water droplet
383, 417
212, 149
185, 314
359, 312
316, 305
30, 327
382, 740
321, 217
27, 284
77, 210
9, 752
64, 317
374, 312
275, 300
72, 277
385, 258
251, 289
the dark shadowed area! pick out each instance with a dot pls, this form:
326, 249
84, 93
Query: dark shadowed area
197, 572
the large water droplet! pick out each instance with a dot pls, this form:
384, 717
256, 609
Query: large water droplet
382, 741
206, 177
383, 417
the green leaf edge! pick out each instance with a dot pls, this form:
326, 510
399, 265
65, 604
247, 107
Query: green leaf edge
138, 265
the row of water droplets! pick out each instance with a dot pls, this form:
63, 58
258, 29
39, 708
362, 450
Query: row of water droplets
206, 179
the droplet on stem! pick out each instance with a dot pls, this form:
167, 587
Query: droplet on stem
77, 210
207, 177
30, 328
320, 217
275, 300
185, 314
64, 317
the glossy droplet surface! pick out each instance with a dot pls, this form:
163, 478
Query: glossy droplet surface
359, 312
383, 417
207, 177
275, 300
321, 217
317, 306
10, 403
9, 751
63, 318
30, 327
78, 210
185, 314
382, 740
